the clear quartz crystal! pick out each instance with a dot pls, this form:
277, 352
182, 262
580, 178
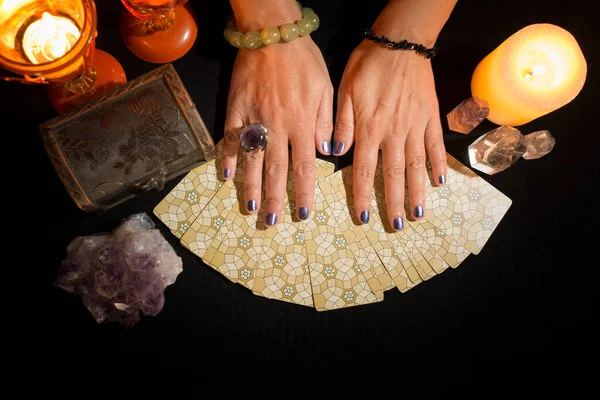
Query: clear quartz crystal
538, 144
497, 150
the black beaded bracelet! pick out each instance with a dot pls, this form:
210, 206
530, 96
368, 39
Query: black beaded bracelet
401, 45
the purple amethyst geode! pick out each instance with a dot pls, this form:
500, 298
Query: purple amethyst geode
121, 273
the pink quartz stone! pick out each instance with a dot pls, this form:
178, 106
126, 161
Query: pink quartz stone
467, 115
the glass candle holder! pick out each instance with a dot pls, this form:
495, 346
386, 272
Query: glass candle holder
158, 31
53, 42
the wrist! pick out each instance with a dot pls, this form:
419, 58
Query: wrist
419, 21
254, 15
398, 32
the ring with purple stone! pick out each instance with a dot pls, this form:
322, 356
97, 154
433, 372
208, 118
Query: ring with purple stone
253, 138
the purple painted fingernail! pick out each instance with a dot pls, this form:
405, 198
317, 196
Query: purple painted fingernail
303, 213
326, 146
364, 217
442, 179
271, 219
251, 205
418, 212
227, 173
338, 147
398, 224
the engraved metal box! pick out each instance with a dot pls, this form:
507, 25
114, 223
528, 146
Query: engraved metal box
131, 140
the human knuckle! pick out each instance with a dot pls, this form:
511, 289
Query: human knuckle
417, 162
303, 194
275, 169
304, 168
395, 205
250, 187
253, 157
418, 193
326, 125
363, 199
439, 163
437, 143
273, 201
344, 126
394, 173
230, 137
364, 171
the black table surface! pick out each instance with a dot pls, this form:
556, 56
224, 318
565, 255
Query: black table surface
526, 299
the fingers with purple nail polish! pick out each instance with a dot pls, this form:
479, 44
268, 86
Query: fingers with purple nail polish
338, 148
364, 217
303, 213
271, 219
418, 212
398, 223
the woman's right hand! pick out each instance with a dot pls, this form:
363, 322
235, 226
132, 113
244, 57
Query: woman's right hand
285, 87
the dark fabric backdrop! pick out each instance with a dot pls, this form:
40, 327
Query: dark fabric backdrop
525, 303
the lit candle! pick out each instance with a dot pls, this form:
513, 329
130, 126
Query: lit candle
535, 71
49, 38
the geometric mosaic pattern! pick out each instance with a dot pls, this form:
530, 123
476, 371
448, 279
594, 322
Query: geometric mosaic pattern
181, 206
331, 260
468, 208
336, 283
282, 272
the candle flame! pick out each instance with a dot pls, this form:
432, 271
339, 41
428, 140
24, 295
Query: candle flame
536, 70
49, 38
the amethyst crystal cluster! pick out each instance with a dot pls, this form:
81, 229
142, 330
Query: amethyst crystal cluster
121, 273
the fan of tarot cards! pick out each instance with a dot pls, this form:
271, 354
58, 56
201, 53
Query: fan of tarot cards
330, 260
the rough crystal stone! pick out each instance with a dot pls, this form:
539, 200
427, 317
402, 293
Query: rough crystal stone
538, 144
121, 273
467, 115
497, 150
253, 138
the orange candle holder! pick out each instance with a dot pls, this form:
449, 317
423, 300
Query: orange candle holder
158, 31
53, 42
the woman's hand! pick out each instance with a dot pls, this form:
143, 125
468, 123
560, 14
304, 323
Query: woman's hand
285, 87
387, 101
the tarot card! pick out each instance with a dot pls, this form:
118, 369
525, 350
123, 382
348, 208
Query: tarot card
467, 208
183, 204
334, 277
367, 261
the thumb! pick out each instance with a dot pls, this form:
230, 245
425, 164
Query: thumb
325, 123
344, 125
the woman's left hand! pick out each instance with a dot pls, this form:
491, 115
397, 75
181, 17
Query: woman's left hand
387, 101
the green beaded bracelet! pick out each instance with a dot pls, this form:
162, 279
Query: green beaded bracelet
271, 34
